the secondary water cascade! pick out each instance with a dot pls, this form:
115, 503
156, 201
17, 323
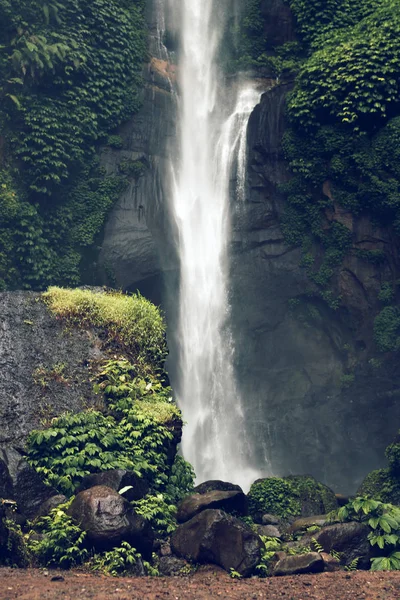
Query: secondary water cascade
212, 151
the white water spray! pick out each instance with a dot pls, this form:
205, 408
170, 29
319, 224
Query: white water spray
212, 147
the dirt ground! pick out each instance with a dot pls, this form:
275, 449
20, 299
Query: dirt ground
207, 583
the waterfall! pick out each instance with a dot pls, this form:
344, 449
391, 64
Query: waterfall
212, 150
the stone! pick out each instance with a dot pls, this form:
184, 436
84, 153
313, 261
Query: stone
269, 531
350, 540
331, 564
306, 522
299, 564
20, 482
109, 519
213, 536
268, 519
217, 485
47, 506
227, 501
117, 479
172, 566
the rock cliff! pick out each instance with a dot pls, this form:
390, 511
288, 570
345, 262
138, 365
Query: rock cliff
315, 401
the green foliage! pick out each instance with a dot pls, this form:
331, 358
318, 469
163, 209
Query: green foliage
119, 561
271, 545
386, 563
354, 74
290, 496
387, 329
384, 523
274, 496
76, 445
62, 544
393, 456
162, 516
131, 321
343, 145
181, 480
70, 73
14, 553
234, 574
382, 485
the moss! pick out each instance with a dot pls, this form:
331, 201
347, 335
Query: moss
129, 321
393, 456
387, 329
381, 485
290, 497
274, 496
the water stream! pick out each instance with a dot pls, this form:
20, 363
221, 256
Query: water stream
212, 151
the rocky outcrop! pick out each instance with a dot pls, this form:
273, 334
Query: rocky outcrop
44, 369
137, 245
109, 519
230, 502
215, 537
21, 483
292, 350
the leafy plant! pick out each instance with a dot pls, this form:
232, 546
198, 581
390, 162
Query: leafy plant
119, 561
162, 516
384, 522
270, 546
62, 543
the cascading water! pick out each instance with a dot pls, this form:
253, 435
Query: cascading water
212, 146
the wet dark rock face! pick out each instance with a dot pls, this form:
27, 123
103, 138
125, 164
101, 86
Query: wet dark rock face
291, 357
44, 367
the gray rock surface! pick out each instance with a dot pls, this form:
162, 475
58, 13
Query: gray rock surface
109, 519
20, 482
350, 540
212, 536
228, 501
34, 347
216, 484
300, 564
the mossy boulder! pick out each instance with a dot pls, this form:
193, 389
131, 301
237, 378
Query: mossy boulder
382, 485
393, 456
290, 497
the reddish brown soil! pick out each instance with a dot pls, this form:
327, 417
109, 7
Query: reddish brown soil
206, 583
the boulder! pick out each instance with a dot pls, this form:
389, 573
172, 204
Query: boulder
172, 566
299, 564
228, 501
288, 497
213, 536
20, 482
350, 540
217, 485
117, 479
303, 524
269, 531
268, 519
109, 519
47, 506
331, 564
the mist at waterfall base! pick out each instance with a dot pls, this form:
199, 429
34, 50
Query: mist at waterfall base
212, 125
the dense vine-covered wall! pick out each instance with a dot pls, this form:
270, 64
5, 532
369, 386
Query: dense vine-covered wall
343, 143
70, 73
